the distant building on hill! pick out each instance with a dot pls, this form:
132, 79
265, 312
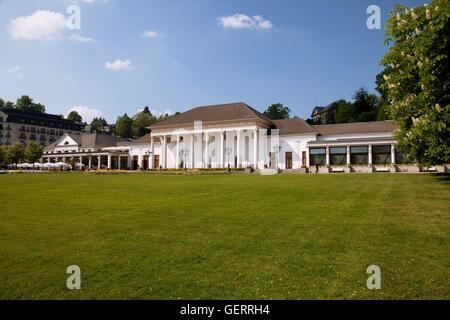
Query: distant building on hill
26, 126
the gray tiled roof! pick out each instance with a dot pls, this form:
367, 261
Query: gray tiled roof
215, 113
358, 127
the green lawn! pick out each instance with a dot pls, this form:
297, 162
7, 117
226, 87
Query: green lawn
224, 237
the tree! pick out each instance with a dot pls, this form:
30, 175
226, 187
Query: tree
345, 112
2, 103
141, 121
417, 80
366, 105
2, 156
277, 111
16, 153
9, 105
33, 152
74, 116
124, 126
97, 124
26, 103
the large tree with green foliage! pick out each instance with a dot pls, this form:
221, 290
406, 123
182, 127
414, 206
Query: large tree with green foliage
417, 79
277, 111
98, 123
124, 126
26, 103
16, 153
74, 116
33, 152
2, 156
141, 121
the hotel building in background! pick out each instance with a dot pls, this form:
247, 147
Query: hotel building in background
26, 126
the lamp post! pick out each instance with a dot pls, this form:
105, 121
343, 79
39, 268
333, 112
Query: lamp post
148, 153
184, 153
277, 150
228, 152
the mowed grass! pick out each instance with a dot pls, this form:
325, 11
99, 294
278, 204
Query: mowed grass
224, 237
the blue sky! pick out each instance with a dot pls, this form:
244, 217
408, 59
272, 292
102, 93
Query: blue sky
172, 55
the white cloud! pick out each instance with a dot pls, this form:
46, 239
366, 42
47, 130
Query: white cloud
87, 113
40, 25
16, 71
118, 65
151, 34
263, 23
81, 39
242, 21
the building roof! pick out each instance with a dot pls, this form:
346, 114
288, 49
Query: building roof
216, 113
293, 126
16, 115
147, 139
92, 140
357, 127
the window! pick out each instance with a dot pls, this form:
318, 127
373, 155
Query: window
359, 155
381, 154
338, 156
1, 119
317, 156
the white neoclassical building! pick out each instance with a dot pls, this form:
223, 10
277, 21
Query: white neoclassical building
237, 136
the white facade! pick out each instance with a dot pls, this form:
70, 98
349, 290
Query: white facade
237, 136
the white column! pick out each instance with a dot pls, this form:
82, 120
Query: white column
348, 155
370, 155
222, 140
328, 156
238, 147
177, 156
393, 160
109, 162
164, 152
81, 159
90, 162
99, 166
206, 150
118, 162
152, 154
192, 151
307, 157
255, 149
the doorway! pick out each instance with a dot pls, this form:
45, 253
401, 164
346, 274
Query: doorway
288, 160
156, 161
